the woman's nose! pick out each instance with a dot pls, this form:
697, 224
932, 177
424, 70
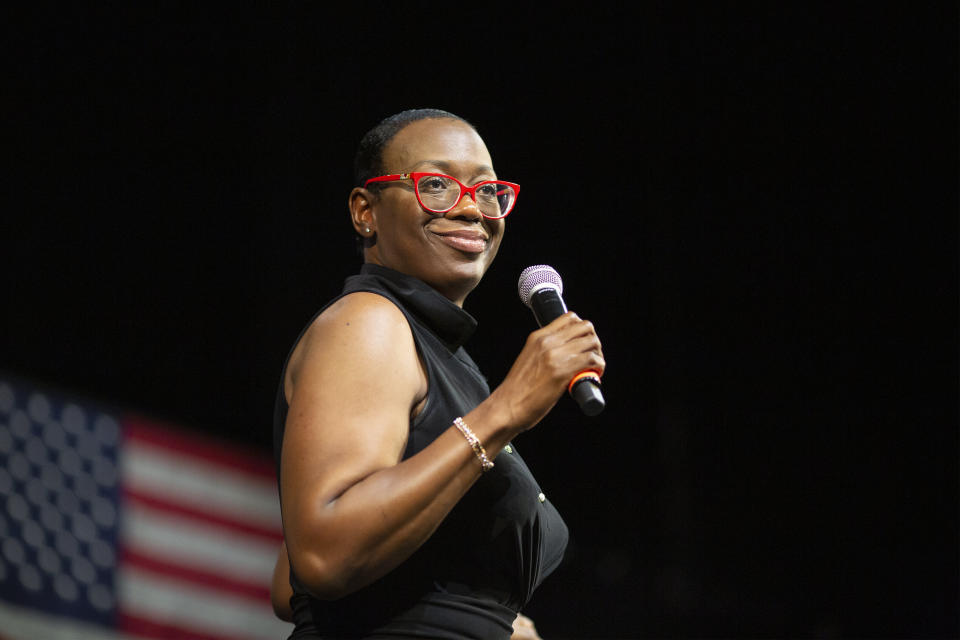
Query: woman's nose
467, 208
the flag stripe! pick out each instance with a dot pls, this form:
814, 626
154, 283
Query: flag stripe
134, 497
161, 631
194, 446
259, 592
182, 541
150, 470
204, 611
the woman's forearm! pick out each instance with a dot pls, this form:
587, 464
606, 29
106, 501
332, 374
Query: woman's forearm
384, 518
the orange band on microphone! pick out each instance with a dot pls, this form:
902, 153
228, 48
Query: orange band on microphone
589, 373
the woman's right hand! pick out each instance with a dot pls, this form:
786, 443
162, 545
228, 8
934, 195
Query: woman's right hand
551, 357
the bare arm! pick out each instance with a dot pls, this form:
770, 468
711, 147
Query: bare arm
353, 509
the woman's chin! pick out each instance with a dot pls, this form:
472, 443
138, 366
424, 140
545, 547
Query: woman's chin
457, 283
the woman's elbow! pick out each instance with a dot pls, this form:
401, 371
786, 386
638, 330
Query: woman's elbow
324, 578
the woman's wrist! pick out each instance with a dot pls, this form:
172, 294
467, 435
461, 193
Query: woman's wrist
492, 425
475, 444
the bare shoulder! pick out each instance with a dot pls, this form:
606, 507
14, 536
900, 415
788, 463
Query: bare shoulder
360, 334
361, 306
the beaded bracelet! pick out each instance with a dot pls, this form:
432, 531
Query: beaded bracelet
474, 444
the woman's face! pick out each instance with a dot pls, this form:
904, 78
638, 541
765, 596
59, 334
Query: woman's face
449, 251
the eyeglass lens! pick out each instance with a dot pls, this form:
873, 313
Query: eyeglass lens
439, 193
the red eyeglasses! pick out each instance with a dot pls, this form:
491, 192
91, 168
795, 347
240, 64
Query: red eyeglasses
439, 193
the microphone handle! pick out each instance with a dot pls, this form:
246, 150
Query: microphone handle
586, 392
547, 305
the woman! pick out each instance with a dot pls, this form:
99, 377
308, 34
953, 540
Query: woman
406, 511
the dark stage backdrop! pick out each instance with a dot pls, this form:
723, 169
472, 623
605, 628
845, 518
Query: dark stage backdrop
756, 204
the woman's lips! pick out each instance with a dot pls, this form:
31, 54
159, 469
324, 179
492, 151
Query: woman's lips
467, 241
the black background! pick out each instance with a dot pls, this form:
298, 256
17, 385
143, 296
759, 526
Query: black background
756, 204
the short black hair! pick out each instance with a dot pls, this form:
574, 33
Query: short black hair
368, 163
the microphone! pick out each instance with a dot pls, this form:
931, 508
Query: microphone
540, 287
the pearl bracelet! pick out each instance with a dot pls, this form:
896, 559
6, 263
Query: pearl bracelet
474, 444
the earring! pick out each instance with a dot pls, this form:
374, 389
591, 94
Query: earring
367, 229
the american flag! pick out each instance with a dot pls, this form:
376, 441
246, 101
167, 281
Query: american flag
115, 527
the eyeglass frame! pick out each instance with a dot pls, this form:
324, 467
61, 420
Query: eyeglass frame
464, 190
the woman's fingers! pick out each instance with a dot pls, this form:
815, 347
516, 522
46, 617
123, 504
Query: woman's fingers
572, 343
551, 357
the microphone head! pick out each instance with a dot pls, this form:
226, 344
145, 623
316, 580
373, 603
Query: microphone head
535, 278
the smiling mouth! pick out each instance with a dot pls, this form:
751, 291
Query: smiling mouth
466, 241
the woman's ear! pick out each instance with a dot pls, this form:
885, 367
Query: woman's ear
361, 212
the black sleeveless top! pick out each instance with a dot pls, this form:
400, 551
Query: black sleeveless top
500, 541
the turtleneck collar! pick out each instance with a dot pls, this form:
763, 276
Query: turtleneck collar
450, 323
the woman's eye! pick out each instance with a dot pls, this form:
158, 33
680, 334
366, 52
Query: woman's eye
433, 185
487, 191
